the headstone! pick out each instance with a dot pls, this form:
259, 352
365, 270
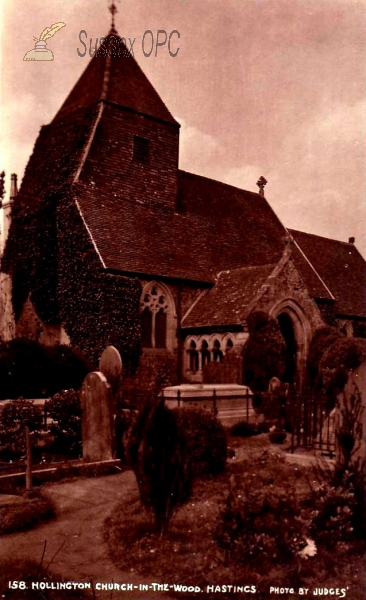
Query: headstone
97, 418
110, 364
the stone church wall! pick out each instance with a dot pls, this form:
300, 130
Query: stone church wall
29, 325
288, 285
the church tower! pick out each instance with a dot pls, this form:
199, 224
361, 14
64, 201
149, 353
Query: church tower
134, 139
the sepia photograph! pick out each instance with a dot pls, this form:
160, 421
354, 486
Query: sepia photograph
182, 299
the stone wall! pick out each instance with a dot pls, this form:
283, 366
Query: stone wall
29, 325
7, 324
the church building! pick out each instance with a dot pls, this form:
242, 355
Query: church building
110, 240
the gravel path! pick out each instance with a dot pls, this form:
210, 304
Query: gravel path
76, 533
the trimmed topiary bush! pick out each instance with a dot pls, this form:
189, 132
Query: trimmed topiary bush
157, 449
340, 358
206, 441
323, 338
264, 354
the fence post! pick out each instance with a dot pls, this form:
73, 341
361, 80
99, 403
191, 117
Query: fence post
28, 471
294, 415
178, 398
45, 415
214, 402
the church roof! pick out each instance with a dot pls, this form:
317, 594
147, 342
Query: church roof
218, 227
227, 303
340, 266
116, 79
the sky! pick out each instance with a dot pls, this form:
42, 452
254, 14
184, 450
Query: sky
260, 87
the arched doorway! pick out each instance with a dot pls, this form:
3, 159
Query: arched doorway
288, 334
296, 330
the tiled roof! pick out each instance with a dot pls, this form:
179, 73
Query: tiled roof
219, 227
341, 267
228, 301
215, 228
116, 79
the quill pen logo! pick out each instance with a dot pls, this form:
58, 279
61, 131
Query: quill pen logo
40, 51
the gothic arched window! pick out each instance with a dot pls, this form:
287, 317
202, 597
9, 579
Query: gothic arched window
155, 310
206, 357
193, 357
229, 345
217, 354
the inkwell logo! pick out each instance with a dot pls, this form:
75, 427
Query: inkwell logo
40, 51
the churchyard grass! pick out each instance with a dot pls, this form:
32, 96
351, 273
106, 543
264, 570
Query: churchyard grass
191, 555
26, 513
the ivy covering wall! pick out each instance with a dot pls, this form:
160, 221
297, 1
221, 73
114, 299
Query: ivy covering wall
52, 260
96, 308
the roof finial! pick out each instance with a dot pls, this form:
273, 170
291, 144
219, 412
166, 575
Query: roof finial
112, 10
261, 183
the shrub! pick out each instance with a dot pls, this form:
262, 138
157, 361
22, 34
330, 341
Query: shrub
123, 423
15, 416
154, 372
264, 354
19, 413
65, 410
32, 370
342, 356
158, 451
22, 369
323, 338
206, 441
277, 436
338, 504
249, 524
67, 369
245, 429
26, 514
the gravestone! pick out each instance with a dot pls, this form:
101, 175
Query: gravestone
110, 364
97, 418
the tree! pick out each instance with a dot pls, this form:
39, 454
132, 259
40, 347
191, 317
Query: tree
264, 354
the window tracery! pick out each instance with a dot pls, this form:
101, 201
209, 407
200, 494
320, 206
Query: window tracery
156, 307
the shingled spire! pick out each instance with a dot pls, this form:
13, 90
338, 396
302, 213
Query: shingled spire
128, 86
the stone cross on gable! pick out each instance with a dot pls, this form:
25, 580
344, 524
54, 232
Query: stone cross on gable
261, 183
